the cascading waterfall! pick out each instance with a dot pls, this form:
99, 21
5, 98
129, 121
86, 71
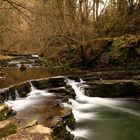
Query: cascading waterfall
17, 94
32, 98
83, 109
92, 114
32, 87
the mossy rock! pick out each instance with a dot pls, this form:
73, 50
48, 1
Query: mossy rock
49, 83
59, 124
7, 128
93, 49
70, 121
4, 110
123, 48
60, 133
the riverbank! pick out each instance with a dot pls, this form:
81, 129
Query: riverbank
101, 53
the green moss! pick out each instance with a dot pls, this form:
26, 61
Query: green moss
123, 48
138, 50
8, 130
59, 132
70, 121
48, 83
4, 113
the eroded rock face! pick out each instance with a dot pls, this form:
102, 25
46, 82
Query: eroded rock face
113, 88
49, 83
63, 92
23, 89
52, 118
10, 93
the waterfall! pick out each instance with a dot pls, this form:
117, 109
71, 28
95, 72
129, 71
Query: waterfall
17, 94
10, 97
33, 97
84, 106
32, 87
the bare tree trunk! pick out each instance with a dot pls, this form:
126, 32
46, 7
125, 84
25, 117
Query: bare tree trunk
97, 9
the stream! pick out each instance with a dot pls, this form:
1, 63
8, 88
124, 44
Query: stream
104, 118
96, 118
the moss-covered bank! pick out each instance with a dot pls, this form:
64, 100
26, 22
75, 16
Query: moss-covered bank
113, 53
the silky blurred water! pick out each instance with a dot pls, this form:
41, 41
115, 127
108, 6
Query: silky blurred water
105, 118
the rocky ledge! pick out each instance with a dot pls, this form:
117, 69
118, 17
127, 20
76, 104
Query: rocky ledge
48, 119
112, 84
113, 88
52, 117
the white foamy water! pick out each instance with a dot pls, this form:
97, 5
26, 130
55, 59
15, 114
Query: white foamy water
91, 102
80, 133
83, 103
32, 98
17, 94
84, 108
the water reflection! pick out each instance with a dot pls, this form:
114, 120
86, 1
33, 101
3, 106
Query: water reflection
14, 75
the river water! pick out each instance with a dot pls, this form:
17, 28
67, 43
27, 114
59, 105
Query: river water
15, 75
105, 118
96, 118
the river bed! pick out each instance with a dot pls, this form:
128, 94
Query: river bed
96, 118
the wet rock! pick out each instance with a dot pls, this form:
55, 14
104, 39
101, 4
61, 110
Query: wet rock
111, 75
1, 99
50, 82
12, 112
58, 124
59, 130
63, 92
58, 90
70, 92
113, 88
23, 89
74, 77
7, 127
10, 93
7, 94
22, 68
